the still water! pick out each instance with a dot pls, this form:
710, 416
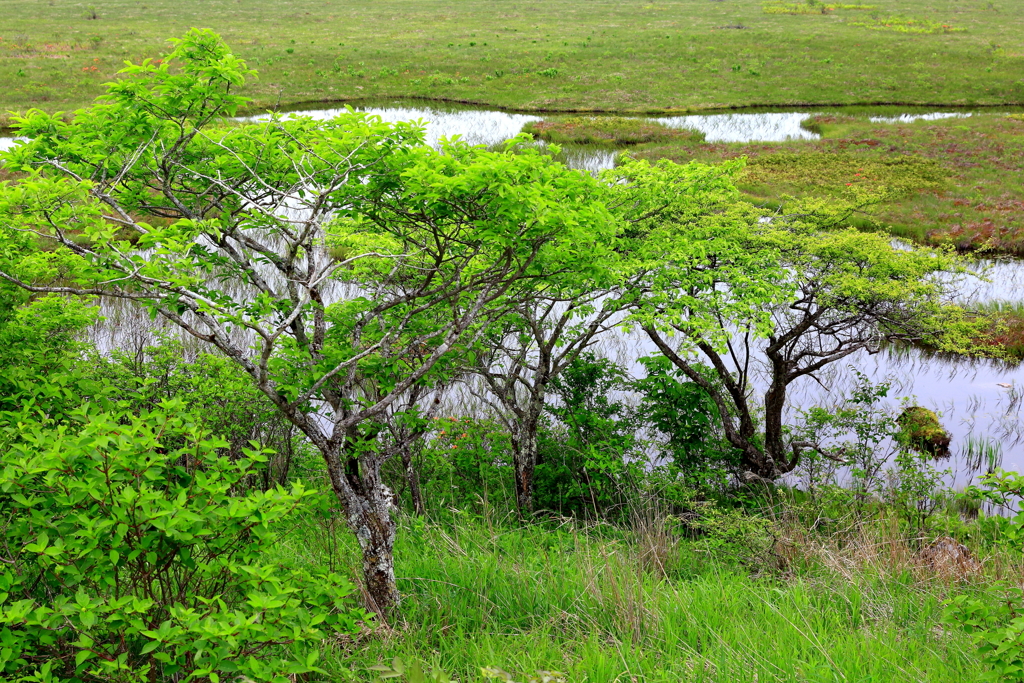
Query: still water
975, 398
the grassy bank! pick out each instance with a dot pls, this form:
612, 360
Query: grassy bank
561, 54
953, 181
640, 603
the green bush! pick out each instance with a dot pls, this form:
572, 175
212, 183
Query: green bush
38, 350
586, 448
225, 401
996, 623
128, 560
461, 462
692, 442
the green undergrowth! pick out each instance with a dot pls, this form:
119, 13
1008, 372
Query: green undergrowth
608, 130
606, 603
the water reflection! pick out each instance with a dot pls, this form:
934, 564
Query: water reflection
476, 126
762, 127
7, 143
910, 118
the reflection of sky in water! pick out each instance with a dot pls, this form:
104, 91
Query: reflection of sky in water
765, 127
486, 127
474, 126
1004, 281
965, 393
909, 118
7, 143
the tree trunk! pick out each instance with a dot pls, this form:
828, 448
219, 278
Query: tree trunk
375, 530
774, 460
525, 464
413, 478
367, 504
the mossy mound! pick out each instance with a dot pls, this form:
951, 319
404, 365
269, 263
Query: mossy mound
819, 122
921, 430
837, 173
608, 130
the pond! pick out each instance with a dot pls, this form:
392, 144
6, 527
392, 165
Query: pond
976, 398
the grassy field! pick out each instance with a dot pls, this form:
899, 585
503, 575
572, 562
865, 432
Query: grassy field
637, 55
638, 604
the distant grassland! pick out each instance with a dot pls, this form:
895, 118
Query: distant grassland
621, 55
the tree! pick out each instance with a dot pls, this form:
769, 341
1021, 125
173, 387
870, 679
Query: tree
316, 255
769, 299
530, 350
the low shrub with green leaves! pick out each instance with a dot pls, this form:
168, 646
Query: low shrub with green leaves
126, 559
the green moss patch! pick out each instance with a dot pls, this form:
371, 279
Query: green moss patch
840, 172
922, 431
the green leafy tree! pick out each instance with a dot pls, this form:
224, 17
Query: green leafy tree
720, 284
335, 262
528, 351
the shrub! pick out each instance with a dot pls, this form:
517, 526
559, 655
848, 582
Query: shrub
588, 446
223, 401
461, 462
692, 442
126, 560
38, 348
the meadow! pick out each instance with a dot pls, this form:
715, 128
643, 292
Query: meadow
636, 56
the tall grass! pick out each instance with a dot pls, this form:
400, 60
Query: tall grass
643, 603
982, 453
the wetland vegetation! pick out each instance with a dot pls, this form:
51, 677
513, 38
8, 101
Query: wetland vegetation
300, 399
